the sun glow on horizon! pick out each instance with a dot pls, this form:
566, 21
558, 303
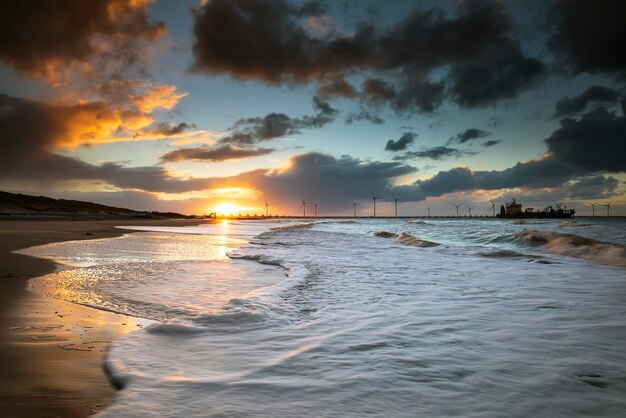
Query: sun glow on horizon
227, 209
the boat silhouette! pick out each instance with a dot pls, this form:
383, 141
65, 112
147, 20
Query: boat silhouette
514, 210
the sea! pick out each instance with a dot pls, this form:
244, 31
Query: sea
360, 317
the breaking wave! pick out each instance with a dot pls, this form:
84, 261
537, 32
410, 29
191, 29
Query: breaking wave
576, 246
385, 234
525, 222
572, 224
406, 239
294, 227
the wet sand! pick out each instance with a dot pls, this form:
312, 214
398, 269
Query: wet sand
51, 351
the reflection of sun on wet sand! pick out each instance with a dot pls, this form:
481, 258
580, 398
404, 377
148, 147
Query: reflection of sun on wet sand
51, 351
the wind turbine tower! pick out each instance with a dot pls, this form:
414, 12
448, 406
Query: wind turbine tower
354, 205
395, 201
593, 208
608, 208
374, 201
428, 209
303, 209
469, 208
315, 206
267, 209
457, 208
493, 207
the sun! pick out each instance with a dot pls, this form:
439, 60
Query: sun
226, 209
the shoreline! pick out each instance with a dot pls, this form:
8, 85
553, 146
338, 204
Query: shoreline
51, 351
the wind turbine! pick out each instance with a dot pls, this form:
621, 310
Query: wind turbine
395, 201
267, 209
354, 205
457, 208
303, 209
315, 210
469, 208
608, 208
593, 208
493, 207
374, 202
428, 209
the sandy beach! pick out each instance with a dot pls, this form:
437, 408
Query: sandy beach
51, 351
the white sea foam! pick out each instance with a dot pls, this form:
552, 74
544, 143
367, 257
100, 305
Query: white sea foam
354, 325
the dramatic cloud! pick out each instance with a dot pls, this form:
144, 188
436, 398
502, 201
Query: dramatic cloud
469, 135
265, 40
491, 143
221, 153
499, 72
336, 87
402, 143
577, 151
593, 95
332, 182
434, 153
364, 115
592, 187
168, 129
31, 132
40, 38
589, 37
249, 131
594, 142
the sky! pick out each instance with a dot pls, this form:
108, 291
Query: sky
226, 105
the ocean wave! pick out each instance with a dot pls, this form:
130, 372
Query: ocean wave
572, 224
514, 255
259, 258
294, 227
408, 239
385, 234
417, 222
525, 222
172, 328
576, 246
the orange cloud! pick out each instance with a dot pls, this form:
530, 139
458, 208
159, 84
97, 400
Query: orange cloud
160, 96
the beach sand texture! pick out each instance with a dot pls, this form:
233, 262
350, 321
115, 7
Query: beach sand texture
51, 351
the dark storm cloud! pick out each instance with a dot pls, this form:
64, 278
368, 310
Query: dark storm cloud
221, 153
332, 182
264, 40
336, 87
533, 174
593, 95
578, 152
168, 129
408, 95
499, 72
491, 143
364, 115
591, 187
589, 36
469, 135
594, 142
402, 143
38, 36
31, 130
378, 91
250, 131
434, 153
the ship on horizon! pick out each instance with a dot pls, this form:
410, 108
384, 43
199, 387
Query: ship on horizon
513, 210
